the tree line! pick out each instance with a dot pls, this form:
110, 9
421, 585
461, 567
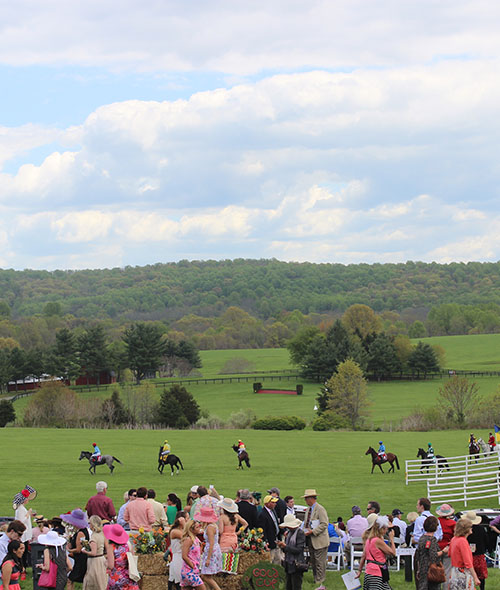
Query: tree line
263, 288
142, 348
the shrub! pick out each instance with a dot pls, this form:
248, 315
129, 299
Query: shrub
242, 419
279, 423
7, 412
330, 421
425, 419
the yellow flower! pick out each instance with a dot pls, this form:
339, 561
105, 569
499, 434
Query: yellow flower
253, 531
260, 530
141, 530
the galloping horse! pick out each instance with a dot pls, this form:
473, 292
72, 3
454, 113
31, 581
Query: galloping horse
243, 456
170, 459
105, 460
377, 461
426, 463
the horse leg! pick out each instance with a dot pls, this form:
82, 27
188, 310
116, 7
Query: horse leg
380, 467
111, 468
392, 467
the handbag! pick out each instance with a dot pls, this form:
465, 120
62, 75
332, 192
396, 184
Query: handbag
301, 565
384, 569
435, 573
133, 572
48, 579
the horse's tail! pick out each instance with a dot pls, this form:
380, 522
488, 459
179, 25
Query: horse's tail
117, 460
247, 461
180, 463
397, 462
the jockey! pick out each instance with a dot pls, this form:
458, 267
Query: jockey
430, 453
492, 442
381, 450
96, 455
241, 447
472, 441
165, 450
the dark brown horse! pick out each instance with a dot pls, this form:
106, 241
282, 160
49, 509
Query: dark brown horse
242, 457
441, 461
377, 461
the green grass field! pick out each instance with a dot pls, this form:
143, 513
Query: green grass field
333, 462
479, 352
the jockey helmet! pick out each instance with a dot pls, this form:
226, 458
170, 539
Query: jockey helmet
429, 444
380, 442
165, 442
94, 444
240, 440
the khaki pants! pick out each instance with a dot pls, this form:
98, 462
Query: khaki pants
318, 563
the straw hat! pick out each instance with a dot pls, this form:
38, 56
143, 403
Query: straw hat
445, 510
28, 493
290, 522
207, 514
51, 538
310, 493
472, 516
77, 518
371, 518
228, 505
115, 533
412, 517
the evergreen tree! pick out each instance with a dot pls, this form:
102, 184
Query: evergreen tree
5, 369
423, 359
93, 351
382, 357
64, 360
7, 412
178, 407
145, 348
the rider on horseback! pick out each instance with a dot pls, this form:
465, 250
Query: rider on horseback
473, 442
96, 455
165, 451
241, 447
381, 451
492, 442
430, 453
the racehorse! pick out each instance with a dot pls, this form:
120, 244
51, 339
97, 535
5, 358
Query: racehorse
105, 460
170, 459
243, 456
377, 461
484, 447
474, 450
426, 463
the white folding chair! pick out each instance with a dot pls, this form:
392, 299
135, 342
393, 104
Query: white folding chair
496, 563
335, 559
356, 549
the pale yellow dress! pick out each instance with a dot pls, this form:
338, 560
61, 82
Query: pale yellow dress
96, 577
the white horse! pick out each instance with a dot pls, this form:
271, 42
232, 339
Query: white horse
484, 447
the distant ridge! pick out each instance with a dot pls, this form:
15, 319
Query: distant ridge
264, 288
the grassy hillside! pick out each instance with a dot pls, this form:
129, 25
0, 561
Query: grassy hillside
478, 352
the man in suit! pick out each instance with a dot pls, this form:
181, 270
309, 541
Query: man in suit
246, 509
280, 509
316, 531
268, 522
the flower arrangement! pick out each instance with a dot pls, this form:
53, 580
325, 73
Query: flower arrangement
154, 541
252, 540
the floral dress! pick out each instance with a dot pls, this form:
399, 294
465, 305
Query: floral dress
118, 577
191, 576
214, 566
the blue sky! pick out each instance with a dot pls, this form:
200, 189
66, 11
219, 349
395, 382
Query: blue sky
353, 131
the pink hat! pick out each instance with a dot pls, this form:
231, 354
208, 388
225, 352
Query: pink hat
207, 514
115, 533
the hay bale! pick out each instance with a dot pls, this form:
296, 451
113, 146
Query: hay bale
152, 564
154, 583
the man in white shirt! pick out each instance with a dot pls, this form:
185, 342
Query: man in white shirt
424, 510
396, 513
129, 496
290, 505
14, 532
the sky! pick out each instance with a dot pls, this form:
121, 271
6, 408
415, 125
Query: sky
344, 131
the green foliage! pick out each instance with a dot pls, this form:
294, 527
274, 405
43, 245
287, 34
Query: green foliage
114, 411
93, 354
382, 356
417, 330
178, 408
144, 348
4, 309
298, 345
347, 393
361, 320
423, 359
330, 421
52, 308
279, 423
7, 412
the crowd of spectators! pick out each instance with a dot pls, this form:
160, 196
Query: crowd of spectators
91, 545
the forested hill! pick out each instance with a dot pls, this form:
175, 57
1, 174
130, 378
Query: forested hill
264, 288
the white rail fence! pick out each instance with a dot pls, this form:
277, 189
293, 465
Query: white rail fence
463, 479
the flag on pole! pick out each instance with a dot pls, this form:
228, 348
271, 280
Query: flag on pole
497, 433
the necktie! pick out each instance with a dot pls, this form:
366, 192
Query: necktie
308, 519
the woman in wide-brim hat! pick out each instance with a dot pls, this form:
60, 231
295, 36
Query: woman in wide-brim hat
229, 522
55, 551
211, 558
478, 541
78, 520
24, 515
118, 545
293, 547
